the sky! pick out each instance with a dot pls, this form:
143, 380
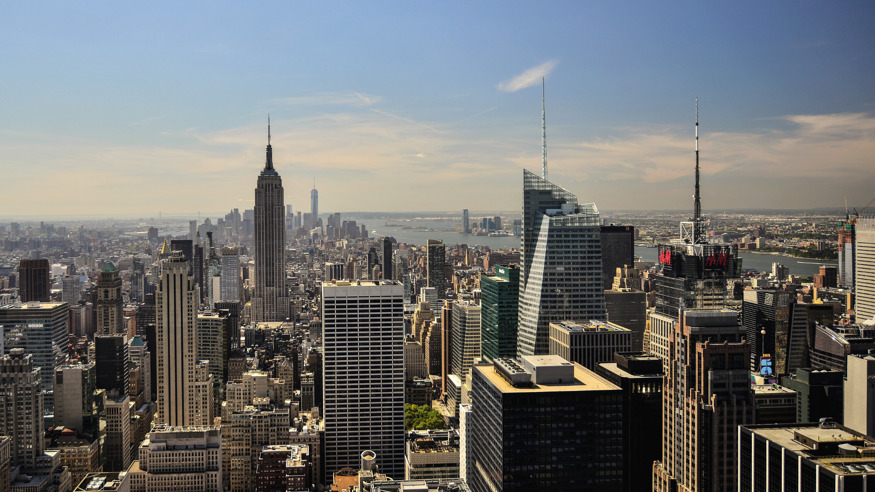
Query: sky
124, 108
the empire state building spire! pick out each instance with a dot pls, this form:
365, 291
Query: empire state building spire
268, 162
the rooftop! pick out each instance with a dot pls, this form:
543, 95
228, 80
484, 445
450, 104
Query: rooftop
588, 326
583, 380
830, 445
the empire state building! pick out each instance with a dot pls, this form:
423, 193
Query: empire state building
271, 301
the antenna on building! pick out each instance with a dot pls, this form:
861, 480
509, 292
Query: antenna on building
268, 128
697, 212
543, 130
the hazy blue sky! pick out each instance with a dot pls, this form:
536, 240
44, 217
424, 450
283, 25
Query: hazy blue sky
116, 108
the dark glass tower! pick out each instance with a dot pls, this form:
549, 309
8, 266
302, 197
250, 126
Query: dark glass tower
270, 302
500, 306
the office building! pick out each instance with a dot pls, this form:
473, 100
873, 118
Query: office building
363, 339
833, 345
75, 405
864, 269
212, 343
588, 343
179, 382
860, 394
230, 286
808, 457
244, 435
436, 267
40, 329
388, 272
618, 250
110, 315
270, 301
465, 338
466, 222
35, 281
141, 357
767, 310
117, 442
543, 423
113, 363
333, 271
431, 454
314, 207
847, 258
174, 459
284, 467
21, 404
499, 312
70, 289
640, 377
706, 395
773, 404
819, 394
561, 275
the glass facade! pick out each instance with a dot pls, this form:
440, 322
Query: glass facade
500, 308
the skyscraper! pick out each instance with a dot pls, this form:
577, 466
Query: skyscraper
110, 315
859, 411
113, 363
363, 338
314, 205
21, 402
40, 329
229, 278
387, 259
270, 301
864, 275
618, 250
179, 381
436, 265
706, 396
500, 310
542, 423
561, 275
35, 281
466, 224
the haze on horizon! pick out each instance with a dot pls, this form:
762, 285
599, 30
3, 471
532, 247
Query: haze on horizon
392, 106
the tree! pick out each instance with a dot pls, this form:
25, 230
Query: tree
421, 417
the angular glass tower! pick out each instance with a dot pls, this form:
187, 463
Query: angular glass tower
561, 276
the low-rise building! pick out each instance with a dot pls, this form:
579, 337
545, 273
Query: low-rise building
431, 454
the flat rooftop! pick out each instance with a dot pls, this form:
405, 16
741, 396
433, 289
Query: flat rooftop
804, 439
584, 380
588, 326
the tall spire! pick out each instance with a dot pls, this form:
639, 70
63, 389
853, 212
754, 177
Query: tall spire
698, 221
268, 163
697, 212
543, 131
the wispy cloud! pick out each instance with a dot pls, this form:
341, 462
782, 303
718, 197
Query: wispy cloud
356, 99
528, 78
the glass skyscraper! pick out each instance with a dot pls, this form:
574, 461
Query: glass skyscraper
500, 307
561, 276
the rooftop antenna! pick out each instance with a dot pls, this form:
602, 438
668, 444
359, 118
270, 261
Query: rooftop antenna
697, 212
268, 161
847, 214
543, 131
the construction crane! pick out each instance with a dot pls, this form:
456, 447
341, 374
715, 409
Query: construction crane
857, 214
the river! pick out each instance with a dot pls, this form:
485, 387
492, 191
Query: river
421, 231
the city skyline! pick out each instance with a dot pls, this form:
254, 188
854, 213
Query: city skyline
114, 105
